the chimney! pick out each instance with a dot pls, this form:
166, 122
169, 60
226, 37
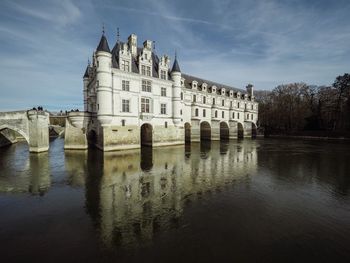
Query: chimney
148, 45
132, 42
250, 90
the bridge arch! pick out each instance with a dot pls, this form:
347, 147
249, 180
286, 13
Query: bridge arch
240, 130
187, 128
10, 127
205, 131
224, 131
146, 134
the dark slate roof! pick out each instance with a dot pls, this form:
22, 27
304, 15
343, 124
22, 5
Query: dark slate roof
189, 79
176, 67
103, 45
86, 74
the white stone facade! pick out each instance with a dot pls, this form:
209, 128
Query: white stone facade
132, 97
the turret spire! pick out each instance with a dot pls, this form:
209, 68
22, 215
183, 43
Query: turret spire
103, 45
176, 67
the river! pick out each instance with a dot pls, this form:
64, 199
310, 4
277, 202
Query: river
268, 200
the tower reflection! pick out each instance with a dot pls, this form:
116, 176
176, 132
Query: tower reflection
133, 195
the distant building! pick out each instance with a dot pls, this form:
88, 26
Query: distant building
134, 97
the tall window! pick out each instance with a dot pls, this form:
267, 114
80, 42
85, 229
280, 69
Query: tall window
123, 122
194, 98
251, 116
204, 100
231, 103
216, 114
163, 92
162, 108
125, 85
143, 69
203, 112
166, 124
182, 96
148, 70
196, 112
223, 114
145, 105
125, 65
223, 102
238, 105
252, 106
245, 106
233, 115
213, 101
237, 115
125, 106
163, 74
146, 85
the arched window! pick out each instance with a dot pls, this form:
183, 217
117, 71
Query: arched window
196, 112
216, 114
204, 100
233, 115
223, 114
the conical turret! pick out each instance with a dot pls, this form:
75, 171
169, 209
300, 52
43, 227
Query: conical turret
176, 67
103, 45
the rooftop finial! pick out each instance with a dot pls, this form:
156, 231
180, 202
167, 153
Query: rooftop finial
154, 45
175, 54
89, 62
118, 35
103, 28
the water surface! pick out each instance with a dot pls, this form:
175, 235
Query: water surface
238, 201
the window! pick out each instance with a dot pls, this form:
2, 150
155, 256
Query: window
223, 102
231, 103
223, 114
146, 85
143, 69
180, 112
145, 105
237, 115
245, 106
125, 65
216, 114
125, 106
233, 115
163, 92
182, 96
238, 105
148, 70
162, 108
123, 122
125, 85
196, 112
163, 74
166, 124
251, 116
146, 56
213, 101
194, 98
203, 112
204, 100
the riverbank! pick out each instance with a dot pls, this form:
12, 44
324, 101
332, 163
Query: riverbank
308, 137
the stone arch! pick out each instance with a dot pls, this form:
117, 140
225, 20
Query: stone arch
146, 134
240, 130
205, 131
254, 130
224, 131
10, 127
187, 127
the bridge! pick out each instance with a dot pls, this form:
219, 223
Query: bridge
32, 125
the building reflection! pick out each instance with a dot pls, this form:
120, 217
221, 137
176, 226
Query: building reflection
28, 174
132, 195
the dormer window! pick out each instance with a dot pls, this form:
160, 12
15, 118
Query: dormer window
145, 70
125, 65
145, 56
163, 74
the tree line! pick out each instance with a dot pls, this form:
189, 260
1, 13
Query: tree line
299, 108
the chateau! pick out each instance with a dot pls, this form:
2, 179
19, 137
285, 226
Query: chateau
133, 97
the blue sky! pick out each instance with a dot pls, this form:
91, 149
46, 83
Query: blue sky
45, 44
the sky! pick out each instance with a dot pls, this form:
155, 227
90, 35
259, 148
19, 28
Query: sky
45, 44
